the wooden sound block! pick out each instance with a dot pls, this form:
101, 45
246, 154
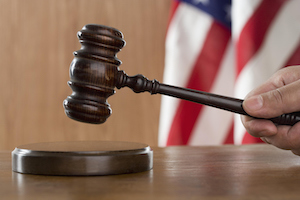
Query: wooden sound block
82, 158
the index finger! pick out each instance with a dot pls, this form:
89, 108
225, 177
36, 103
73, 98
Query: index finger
281, 78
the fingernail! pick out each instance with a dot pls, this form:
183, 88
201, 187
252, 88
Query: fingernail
254, 103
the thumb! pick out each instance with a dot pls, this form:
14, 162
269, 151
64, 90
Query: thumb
273, 103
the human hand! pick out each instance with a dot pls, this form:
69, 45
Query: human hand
279, 95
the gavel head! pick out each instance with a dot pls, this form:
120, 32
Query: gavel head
94, 74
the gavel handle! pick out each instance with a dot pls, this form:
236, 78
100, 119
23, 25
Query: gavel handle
226, 103
139, 84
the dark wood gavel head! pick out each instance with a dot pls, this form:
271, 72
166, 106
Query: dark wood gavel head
94, 73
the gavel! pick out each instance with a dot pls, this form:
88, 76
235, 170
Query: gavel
94, 74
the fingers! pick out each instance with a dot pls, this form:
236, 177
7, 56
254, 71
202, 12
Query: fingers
281, 78
259, 127
287, 137
275, 102
284, 137
279, 97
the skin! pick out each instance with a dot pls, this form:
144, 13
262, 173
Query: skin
278, 95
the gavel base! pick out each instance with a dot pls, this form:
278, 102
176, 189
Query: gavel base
82, 158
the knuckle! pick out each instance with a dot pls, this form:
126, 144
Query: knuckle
278, 81
278, 96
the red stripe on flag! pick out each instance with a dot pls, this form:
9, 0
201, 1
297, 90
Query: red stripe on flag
202, 78
229, 136
255, 30
249, 139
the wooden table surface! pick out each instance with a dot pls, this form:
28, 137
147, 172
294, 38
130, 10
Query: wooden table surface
221, 172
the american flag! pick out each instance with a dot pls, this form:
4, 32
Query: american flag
228, 48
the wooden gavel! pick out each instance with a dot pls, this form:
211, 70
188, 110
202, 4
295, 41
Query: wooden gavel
94, 74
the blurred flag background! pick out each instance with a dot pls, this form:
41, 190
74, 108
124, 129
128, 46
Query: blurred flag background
228, 48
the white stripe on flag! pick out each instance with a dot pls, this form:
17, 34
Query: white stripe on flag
185, 37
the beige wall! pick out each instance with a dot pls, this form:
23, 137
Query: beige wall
37, 41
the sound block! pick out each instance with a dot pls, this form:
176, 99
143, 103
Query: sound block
82, 158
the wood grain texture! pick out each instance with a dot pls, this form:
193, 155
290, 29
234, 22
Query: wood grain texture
225, 172
38, 38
